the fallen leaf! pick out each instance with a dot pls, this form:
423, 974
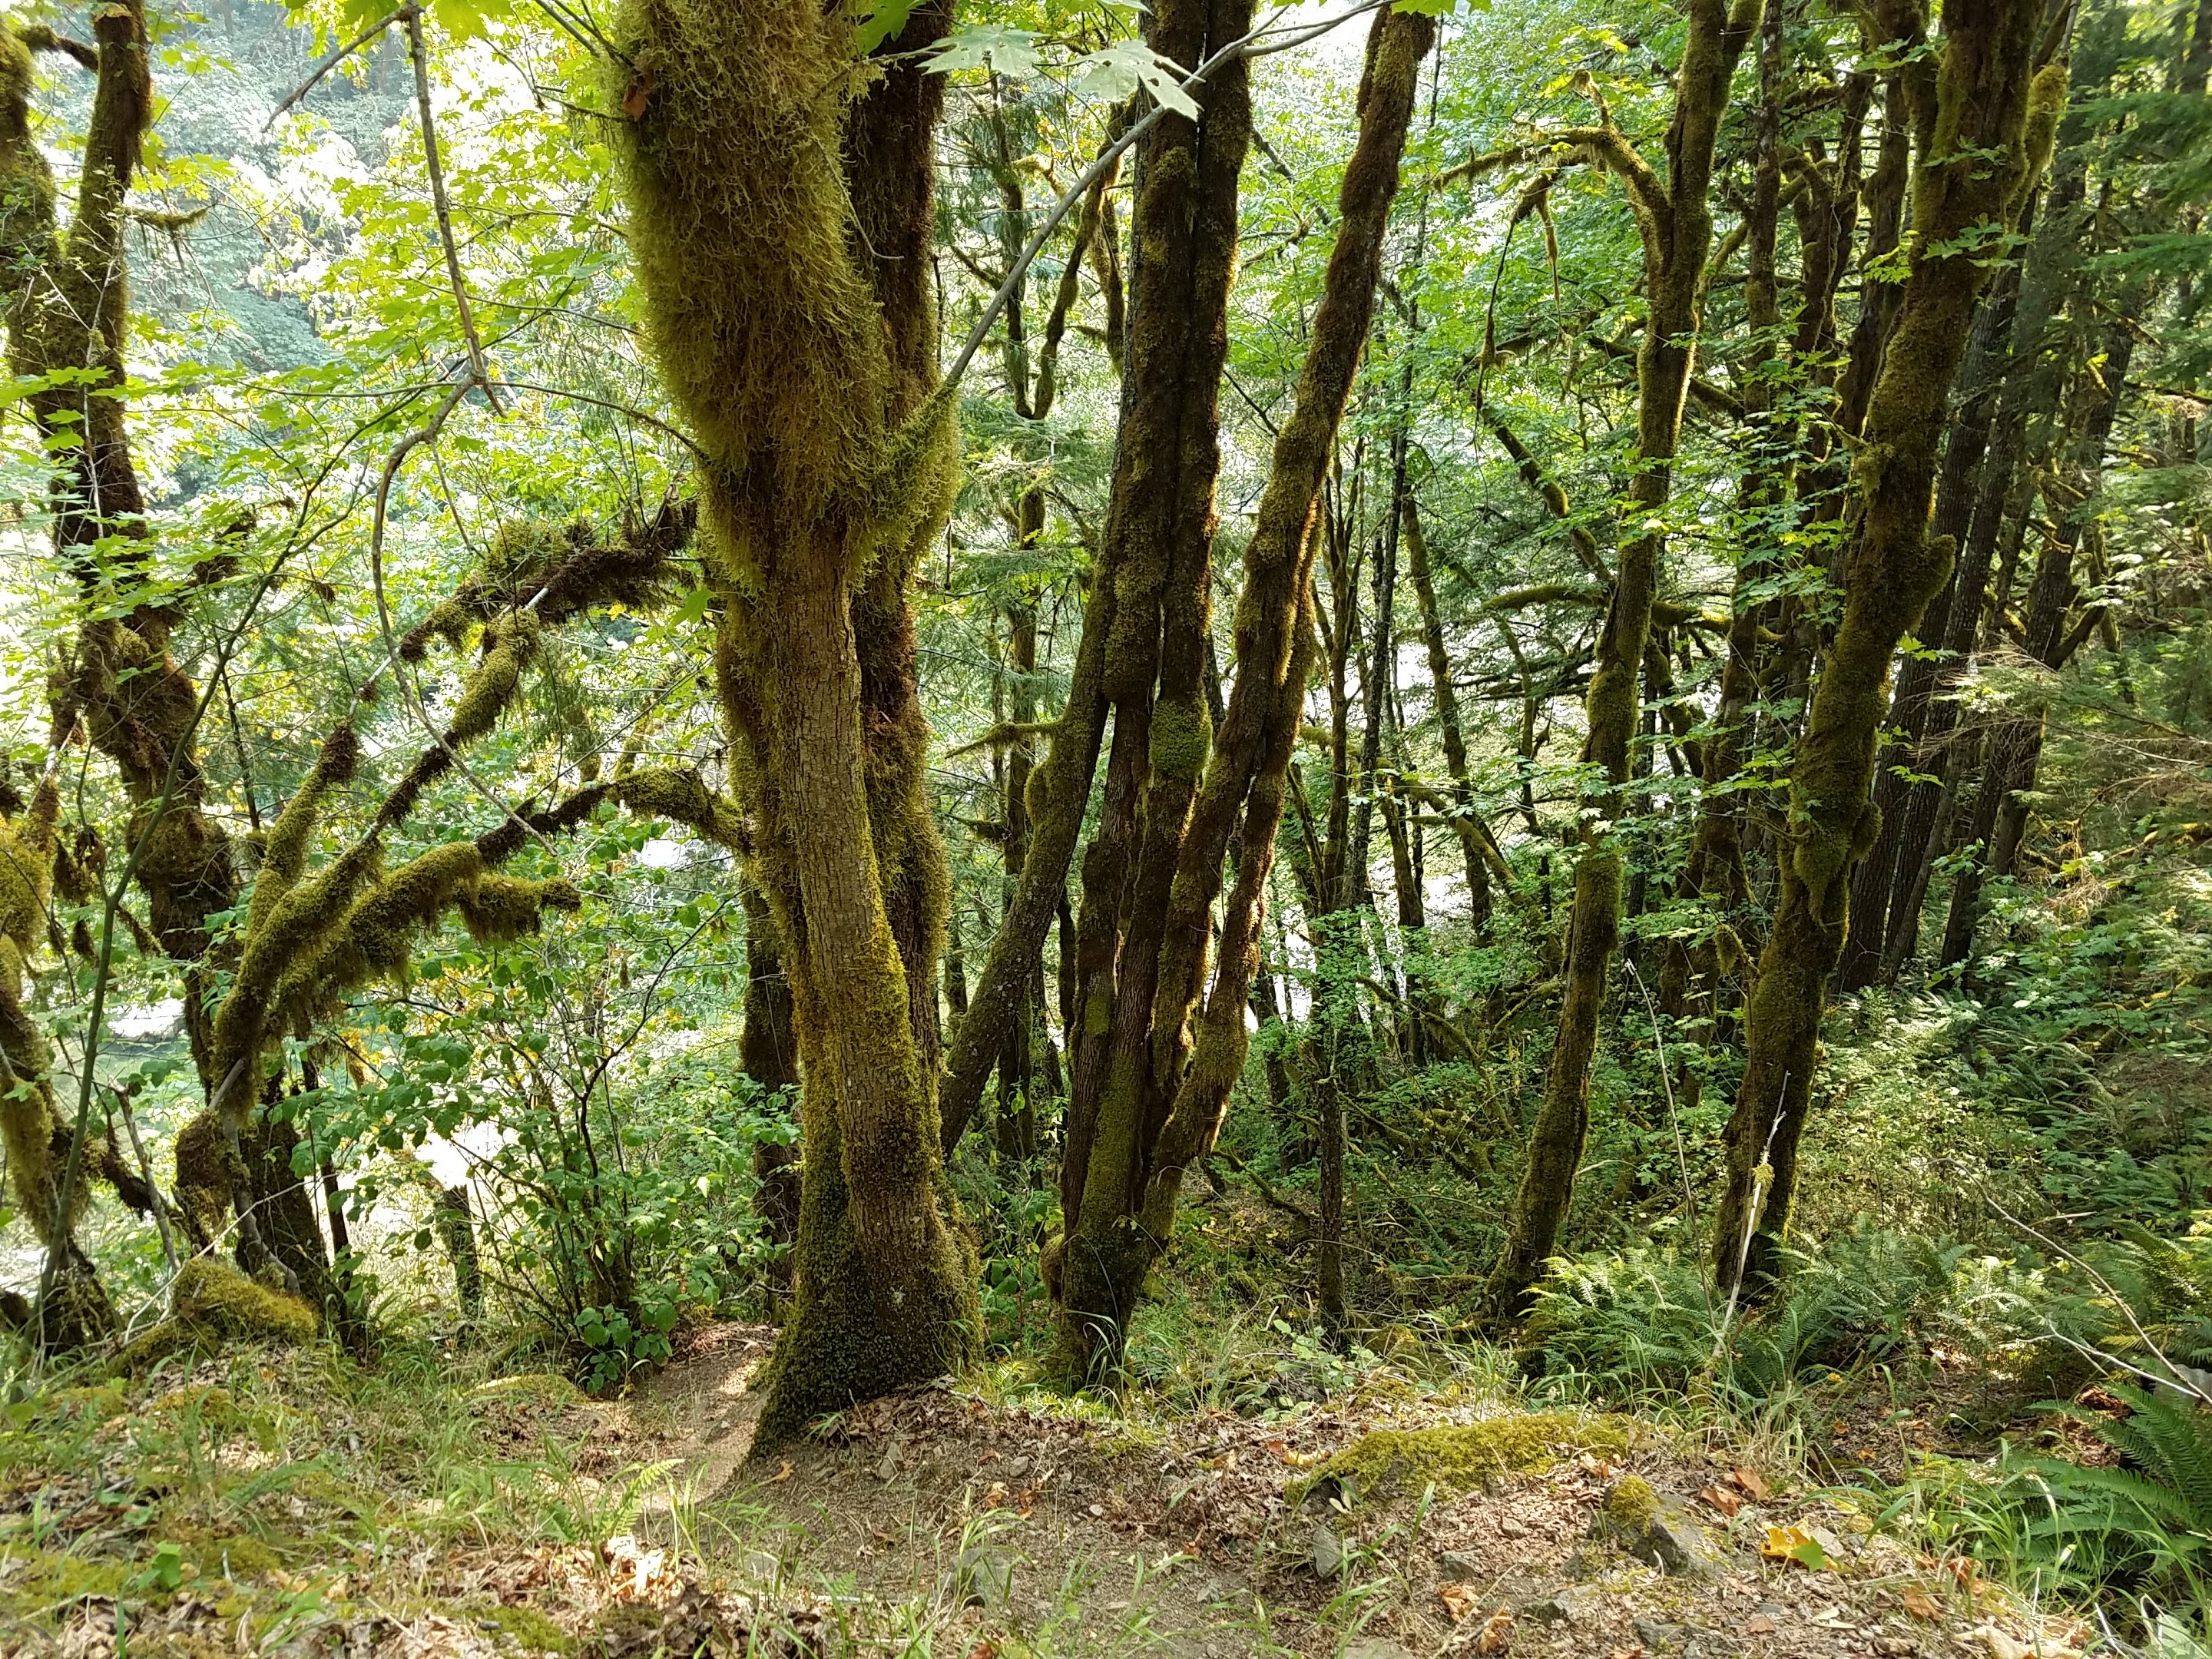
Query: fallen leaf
783, 1473
985, 1648
1722, 1499
1794, 1544
1754, 1484
1759, 1625
1279, 1449
1496, 1635
640, 95
1458, 1600
1627, 1653
1919, 1603
996, 1495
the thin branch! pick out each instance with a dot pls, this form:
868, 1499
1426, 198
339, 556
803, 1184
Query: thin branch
421, 57
1250, 45
331, 61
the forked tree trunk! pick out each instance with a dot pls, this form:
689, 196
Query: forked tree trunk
804, 370
1161, 1059
1984, 148
1674, 216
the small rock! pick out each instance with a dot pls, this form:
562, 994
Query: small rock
1015, 1468
888, 1466
1772, 1610
1655, 1636
1656, 1527
1330, 1492
1575, 1604
982, 1576
1374, 1647
1512, 1526
1459, 1566
1327, 1551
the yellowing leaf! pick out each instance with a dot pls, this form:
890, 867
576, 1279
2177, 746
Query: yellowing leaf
1794, 1544
1919, 1603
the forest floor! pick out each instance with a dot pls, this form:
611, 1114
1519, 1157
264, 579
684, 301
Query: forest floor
295, 1503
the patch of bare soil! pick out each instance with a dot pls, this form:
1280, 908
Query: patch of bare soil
1025, 1528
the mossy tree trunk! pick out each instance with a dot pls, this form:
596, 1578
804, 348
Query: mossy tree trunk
1047, 800
2050, 633
787, 304
767, 1051
1162, 1049
68, 309
1987, 135
1675, 216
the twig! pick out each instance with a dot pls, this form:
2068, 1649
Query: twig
146, 1169
1245, 46
331, 61
421, 57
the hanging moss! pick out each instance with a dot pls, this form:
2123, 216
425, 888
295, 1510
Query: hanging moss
495, 908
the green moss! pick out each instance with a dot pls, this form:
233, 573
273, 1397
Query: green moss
208, 1294
507, 907
39, 1583
1181, 733
549, 1386
229, 1555
207, 1402
530, 1629
1631, 1506
1457, 1457
510, 645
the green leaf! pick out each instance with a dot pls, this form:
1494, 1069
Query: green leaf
1011, 51
1112, 74
884, 20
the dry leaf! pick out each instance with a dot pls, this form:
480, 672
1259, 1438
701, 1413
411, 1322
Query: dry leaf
1794, 1544
1722, 1499
984, 1649
783, 1473
640, 95
1458, 1600
1627, 1653
1754, 1484
996, 1495
1919, 1603
1496, 1635
1759, 1625
1279, 1449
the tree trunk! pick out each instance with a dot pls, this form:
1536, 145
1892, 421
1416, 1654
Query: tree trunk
1983, 102
1675, 218
792, 327
1171, 1057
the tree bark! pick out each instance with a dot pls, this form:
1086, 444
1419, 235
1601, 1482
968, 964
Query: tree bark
1986, 147
1172, 1058
1675, 216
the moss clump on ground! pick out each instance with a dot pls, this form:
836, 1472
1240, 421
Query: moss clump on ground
1631, 1506
213, 1303
1458, 1457
529, 1629
38, 1582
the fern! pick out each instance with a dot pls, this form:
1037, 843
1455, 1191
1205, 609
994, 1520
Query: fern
2144, 1526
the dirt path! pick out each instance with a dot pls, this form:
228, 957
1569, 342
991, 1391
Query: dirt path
1064, 1531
